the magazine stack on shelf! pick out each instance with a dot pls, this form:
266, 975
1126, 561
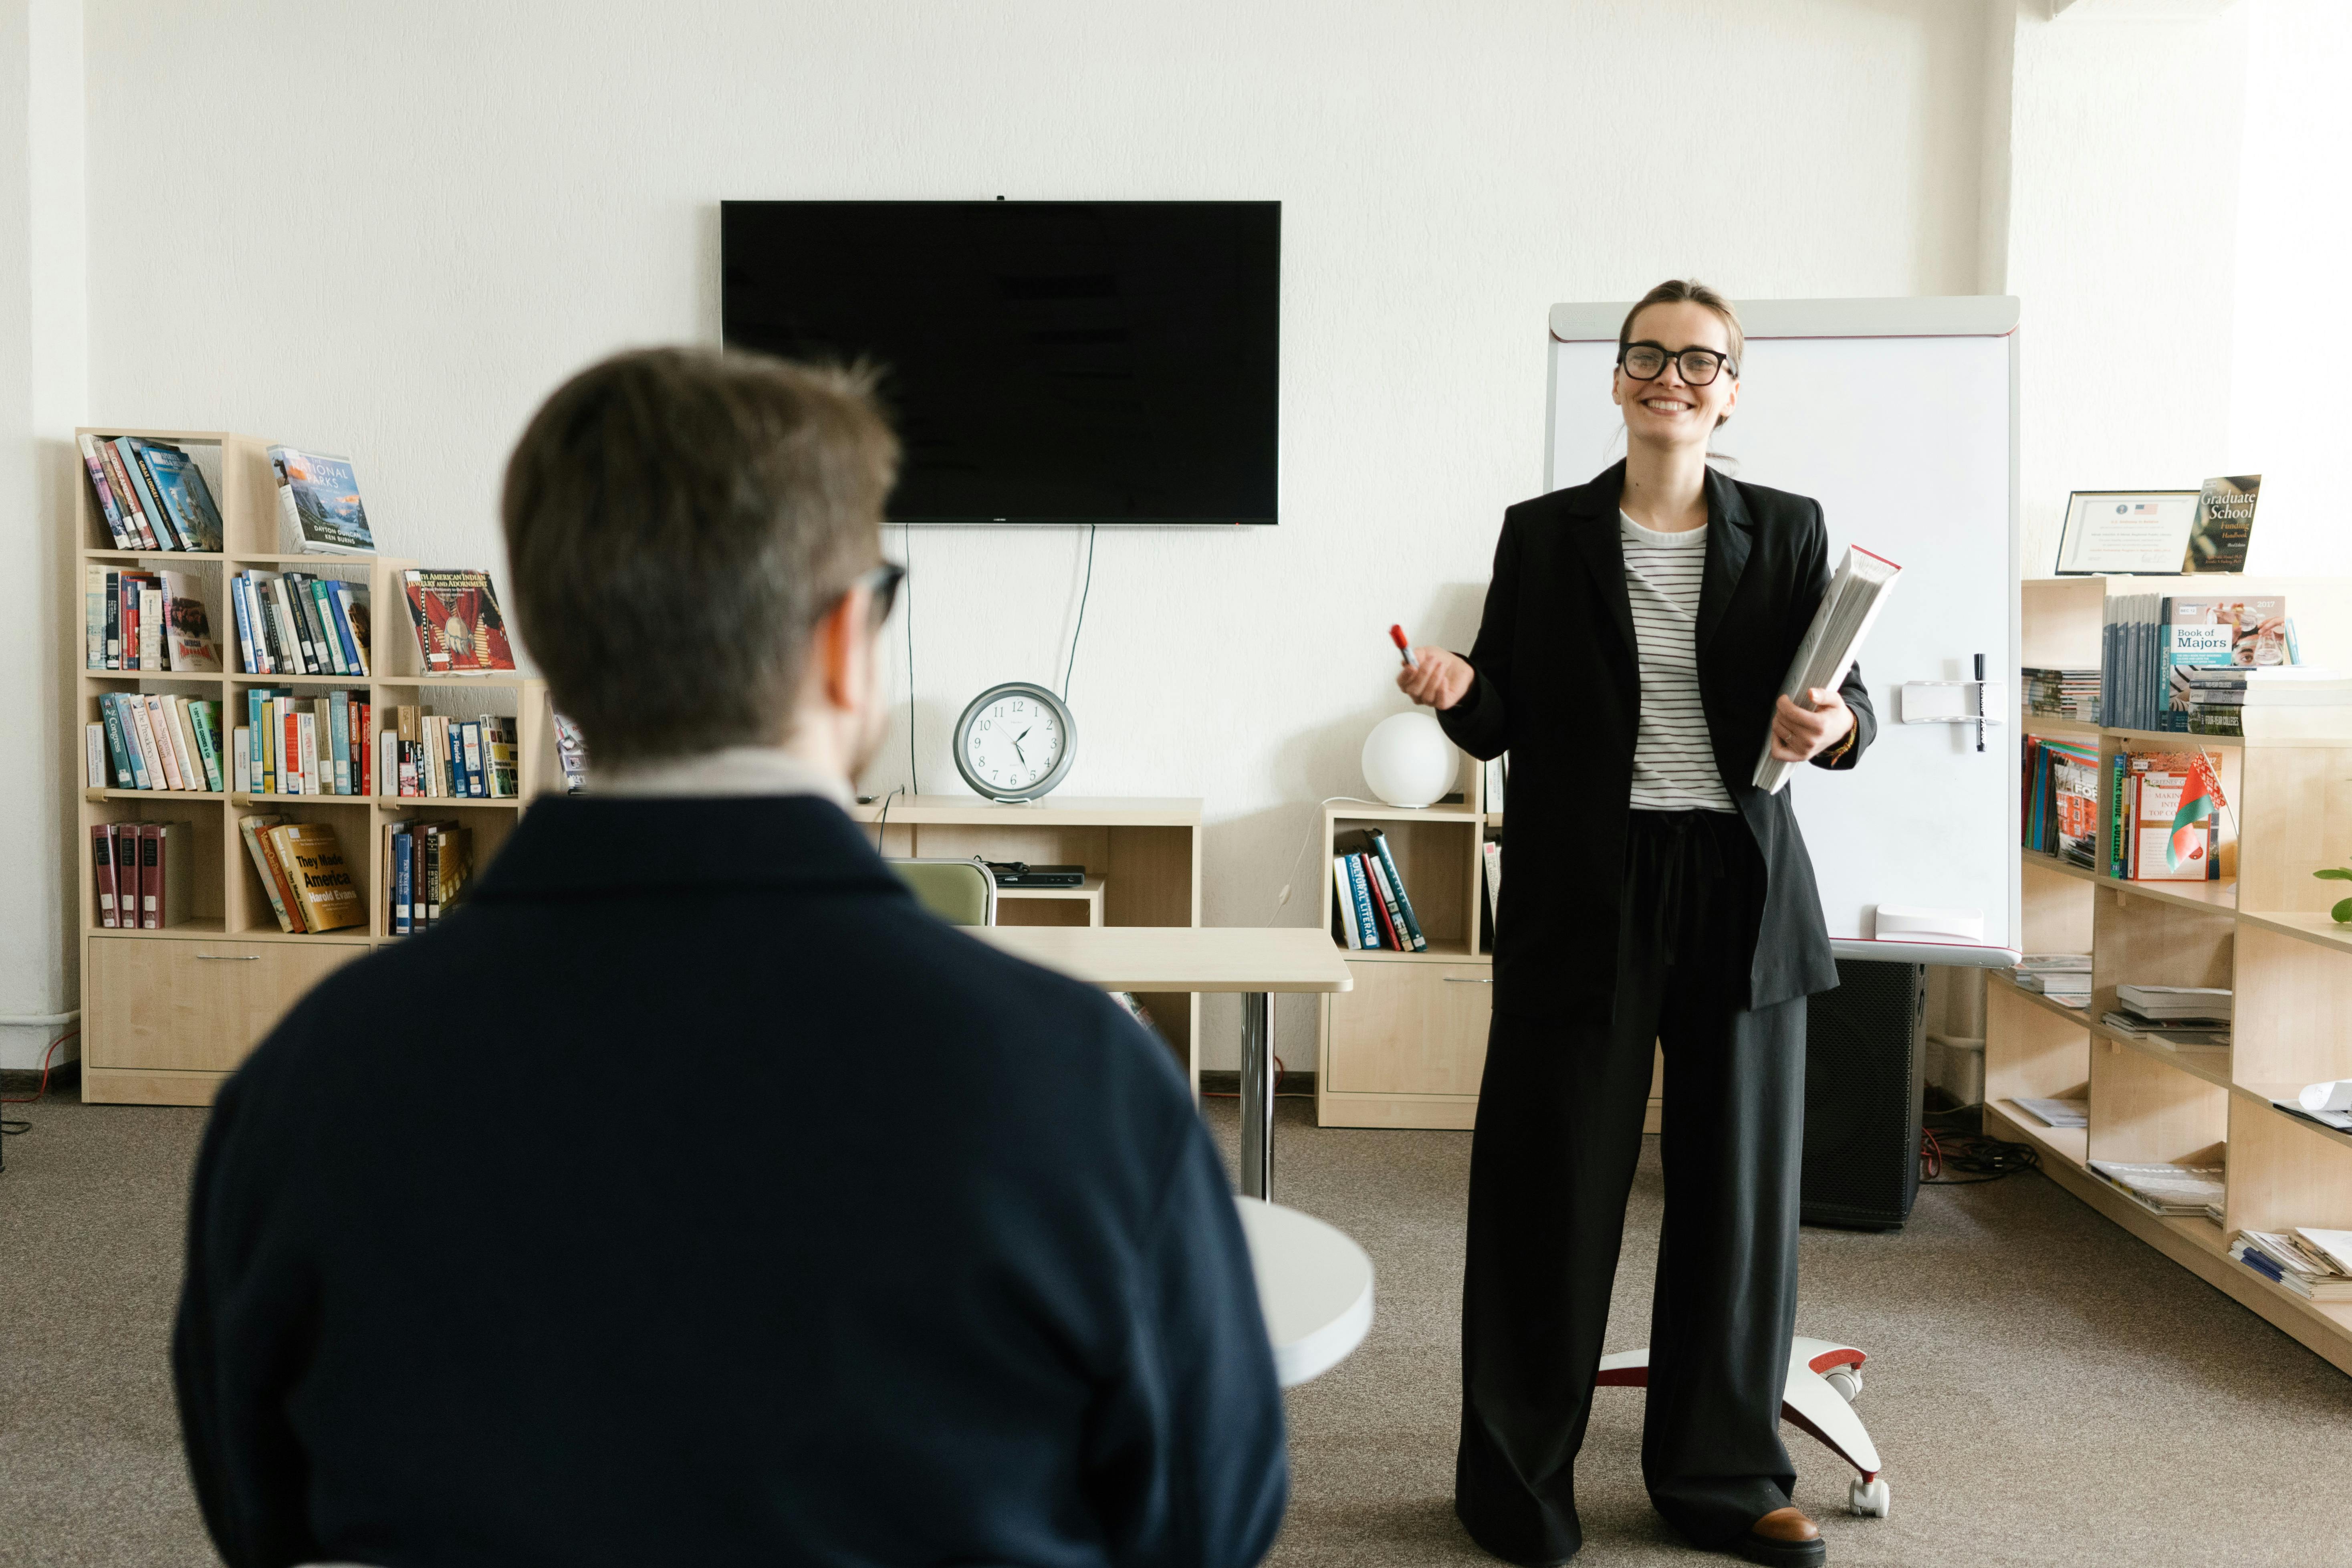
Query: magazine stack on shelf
2164, 1188
2062, 977
2313, 1263
2062, 694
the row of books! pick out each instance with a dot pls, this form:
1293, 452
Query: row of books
2059, 811
1374, 909
145, 620
152, 494
432, 756
292, 623
305, 743
302, 870
155, 743
2314, 1263
2062, 693
2149, 643
426, 864
2164, 817
145, 873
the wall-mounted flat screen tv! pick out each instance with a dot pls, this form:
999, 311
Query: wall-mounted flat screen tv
1045, 361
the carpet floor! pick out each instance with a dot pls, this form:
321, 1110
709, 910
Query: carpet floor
2045, 1390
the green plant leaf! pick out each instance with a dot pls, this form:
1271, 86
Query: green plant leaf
2335, 874
2342, 912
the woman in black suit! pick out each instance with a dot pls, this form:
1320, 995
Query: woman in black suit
1636, 632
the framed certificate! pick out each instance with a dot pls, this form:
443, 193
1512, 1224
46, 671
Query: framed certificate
2121, 531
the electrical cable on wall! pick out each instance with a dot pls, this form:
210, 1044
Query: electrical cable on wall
1080, 630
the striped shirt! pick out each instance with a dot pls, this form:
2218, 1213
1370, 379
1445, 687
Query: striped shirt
1673, 761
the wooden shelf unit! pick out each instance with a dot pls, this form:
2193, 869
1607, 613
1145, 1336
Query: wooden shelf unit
1142, 857
2262, 931
168, 1013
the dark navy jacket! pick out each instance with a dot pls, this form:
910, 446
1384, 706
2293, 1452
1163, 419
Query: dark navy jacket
1558, 685
692, 1196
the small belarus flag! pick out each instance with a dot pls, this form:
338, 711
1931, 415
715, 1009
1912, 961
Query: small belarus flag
2190, 835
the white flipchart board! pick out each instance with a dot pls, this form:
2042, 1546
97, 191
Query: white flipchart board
1900, 417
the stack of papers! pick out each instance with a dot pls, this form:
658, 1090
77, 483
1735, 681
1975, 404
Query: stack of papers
2177, 1004
2165, 1189
1857, 592
2178, 1036
2061, 976
2057, 1112
2317, 1264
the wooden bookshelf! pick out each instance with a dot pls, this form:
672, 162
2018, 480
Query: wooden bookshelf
168, 1013
1142, 857
2262, 931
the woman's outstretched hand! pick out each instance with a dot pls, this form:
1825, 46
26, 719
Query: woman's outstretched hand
1799, 736
1437, 680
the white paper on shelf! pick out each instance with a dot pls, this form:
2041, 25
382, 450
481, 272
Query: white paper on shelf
1855, 593
2333, 1096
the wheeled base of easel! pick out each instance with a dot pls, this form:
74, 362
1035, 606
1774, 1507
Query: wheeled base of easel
1825, 1379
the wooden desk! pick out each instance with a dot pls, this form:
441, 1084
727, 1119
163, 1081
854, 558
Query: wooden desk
1255, 960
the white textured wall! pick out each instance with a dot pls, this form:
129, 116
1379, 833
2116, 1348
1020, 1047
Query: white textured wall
389, 229
42, 389
2123, 200
2293, 286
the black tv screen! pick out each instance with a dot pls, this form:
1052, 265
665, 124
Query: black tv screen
1045, 361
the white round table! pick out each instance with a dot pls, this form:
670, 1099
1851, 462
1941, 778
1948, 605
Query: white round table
1314, 1285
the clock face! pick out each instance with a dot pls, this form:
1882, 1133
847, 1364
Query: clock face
1014, 741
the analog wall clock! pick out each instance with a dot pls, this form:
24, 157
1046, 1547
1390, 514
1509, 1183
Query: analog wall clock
1014, 741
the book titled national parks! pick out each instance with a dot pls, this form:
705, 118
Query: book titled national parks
318, 505
458, 627
2225, 522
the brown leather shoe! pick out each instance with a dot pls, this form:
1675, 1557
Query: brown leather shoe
1784, 1538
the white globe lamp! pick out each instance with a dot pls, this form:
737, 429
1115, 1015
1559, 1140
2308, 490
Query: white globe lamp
1408, 761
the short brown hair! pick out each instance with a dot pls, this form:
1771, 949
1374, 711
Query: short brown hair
677, 520
1675, 291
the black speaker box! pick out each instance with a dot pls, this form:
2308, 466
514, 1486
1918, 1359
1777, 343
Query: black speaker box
1866, 1045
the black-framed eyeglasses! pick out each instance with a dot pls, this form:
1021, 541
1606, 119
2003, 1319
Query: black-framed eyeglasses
1647, 362
881, 585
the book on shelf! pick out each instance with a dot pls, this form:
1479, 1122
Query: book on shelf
318, 508
154, 621
459, 626
429, 755
2164, 1188
2171, 1035
1359, 922
2056, 1113
144, 874
1490, 855
2166, 810
571, 752
150, 494
294, 622
2061, 976
1392, 905
159, 743
427, 864
2059, 814
1498, 770
308, 742
2177, 1004
2225, 524
1856, 593
2288, 1258
302, 870
2062, 693
2152, 643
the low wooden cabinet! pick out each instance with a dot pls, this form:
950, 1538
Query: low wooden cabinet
1412, 1029
177, 1006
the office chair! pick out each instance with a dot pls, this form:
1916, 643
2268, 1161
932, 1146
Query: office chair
1825, 1379
960, 892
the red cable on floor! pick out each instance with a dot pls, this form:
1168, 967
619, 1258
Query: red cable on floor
46, 1058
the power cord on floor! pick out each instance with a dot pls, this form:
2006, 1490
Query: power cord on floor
11, 1126
1978, 1156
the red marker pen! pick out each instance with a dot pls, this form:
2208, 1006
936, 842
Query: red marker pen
1404, 648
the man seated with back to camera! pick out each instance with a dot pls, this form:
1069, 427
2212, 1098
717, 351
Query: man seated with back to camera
691, 1195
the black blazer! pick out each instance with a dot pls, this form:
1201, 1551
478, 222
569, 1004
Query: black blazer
693, 1197
1559, 687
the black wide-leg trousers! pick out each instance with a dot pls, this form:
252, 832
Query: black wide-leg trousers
1560, 1130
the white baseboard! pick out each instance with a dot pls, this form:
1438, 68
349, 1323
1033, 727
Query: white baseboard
21, 1048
